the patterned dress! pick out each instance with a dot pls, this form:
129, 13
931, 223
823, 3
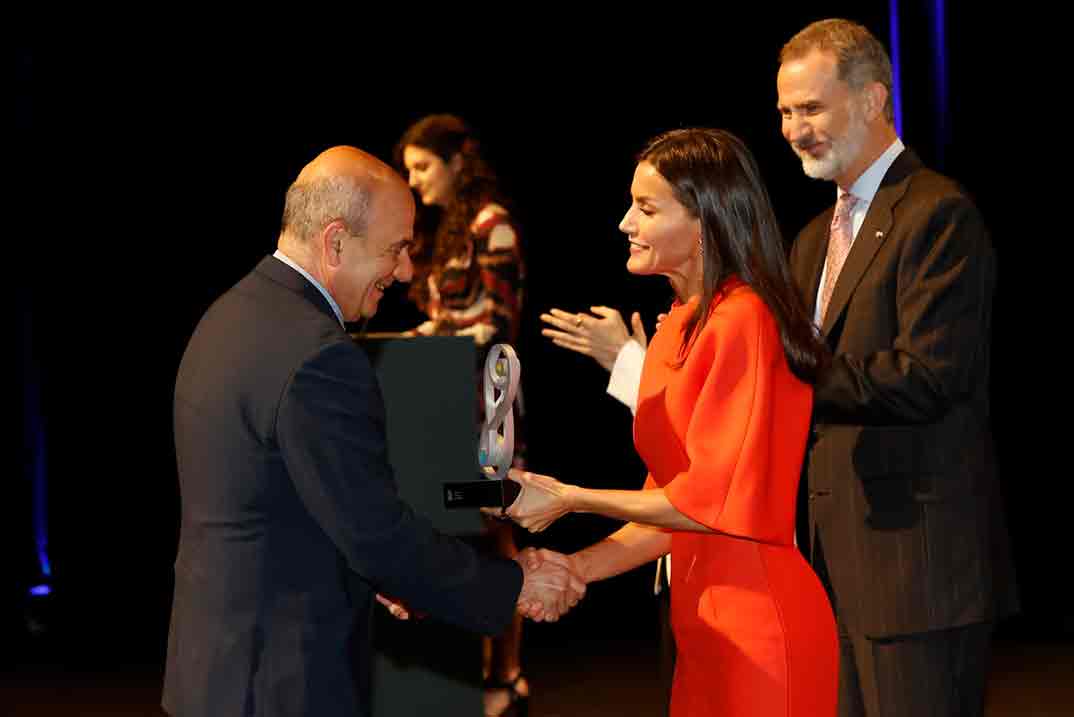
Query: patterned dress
479, 291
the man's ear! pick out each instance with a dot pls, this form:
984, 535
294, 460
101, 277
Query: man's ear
876, 97
331, 241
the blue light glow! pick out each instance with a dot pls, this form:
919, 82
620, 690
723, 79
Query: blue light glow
40, 515
35, 437
939, 51
896, 82
39, 590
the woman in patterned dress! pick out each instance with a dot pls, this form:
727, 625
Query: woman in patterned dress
468, 277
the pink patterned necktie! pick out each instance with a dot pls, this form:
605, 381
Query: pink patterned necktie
840, 236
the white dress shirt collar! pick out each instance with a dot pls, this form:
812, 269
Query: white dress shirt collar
331, 302
865, 187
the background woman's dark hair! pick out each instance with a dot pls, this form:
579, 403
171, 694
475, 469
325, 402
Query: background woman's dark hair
714, 175
441, 233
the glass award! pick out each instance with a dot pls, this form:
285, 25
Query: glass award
496, 445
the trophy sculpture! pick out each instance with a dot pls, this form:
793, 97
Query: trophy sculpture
496, 447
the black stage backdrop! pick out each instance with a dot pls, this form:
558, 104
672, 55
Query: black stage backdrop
151, 173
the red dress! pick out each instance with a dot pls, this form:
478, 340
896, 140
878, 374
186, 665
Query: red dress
724, 435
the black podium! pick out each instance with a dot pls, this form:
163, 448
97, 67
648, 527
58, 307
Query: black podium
425, 667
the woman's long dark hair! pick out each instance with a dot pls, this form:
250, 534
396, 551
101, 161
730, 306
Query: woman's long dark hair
715, 177
442, 234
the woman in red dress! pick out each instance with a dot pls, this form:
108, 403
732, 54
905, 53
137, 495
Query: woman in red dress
722, 420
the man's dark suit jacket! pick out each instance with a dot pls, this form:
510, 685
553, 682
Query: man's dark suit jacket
903, 491
287, 497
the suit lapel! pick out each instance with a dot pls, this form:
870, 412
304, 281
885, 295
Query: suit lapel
873, 233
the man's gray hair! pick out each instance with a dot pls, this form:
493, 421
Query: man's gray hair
860, 57
311, 206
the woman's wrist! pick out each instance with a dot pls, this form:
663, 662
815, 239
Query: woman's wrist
574, 498
581, 567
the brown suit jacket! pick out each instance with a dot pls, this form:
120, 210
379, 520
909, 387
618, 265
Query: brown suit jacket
903, 491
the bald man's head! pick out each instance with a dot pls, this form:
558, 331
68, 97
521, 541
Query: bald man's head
348, 222
346, 161
340, 183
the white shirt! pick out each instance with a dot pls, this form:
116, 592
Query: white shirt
625, 380
864, 188
324, 292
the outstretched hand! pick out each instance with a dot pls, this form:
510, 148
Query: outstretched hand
541, 502
551, 584
600, 334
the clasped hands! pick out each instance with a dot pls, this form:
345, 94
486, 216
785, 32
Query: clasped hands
551, 585
557, 581
552, 582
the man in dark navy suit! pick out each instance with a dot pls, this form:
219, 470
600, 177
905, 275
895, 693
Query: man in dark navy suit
290, 518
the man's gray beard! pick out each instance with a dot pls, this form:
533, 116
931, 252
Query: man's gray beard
826, 168
842, 154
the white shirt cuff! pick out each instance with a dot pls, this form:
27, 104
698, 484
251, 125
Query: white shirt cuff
626, 374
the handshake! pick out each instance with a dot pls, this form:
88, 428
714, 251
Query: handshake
551, 585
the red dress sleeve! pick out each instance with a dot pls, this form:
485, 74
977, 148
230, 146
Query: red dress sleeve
738, 459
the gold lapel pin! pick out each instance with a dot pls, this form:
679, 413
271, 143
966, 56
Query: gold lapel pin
880, 235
